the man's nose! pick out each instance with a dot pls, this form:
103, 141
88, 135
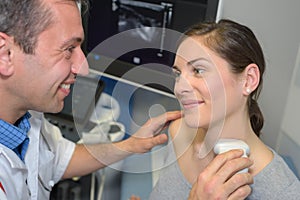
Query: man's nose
80, 64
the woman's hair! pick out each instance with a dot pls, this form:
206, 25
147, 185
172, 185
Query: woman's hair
24, 20
238, 45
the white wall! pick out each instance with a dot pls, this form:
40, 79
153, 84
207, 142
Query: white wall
276, 25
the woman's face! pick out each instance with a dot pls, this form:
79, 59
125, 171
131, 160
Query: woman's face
206, 88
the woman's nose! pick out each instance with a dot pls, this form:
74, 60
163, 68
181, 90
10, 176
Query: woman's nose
182, 85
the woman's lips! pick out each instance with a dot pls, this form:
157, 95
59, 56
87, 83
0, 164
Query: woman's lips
188, 104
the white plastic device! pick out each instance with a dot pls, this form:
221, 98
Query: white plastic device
224, 145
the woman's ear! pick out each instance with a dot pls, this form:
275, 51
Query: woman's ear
252, 78
6, 66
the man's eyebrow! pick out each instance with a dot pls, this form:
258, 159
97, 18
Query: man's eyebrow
71, 41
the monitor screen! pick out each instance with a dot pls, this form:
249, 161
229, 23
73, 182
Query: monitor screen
136, 39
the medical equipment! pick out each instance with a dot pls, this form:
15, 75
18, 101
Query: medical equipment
89, 116
224, 145
107, 129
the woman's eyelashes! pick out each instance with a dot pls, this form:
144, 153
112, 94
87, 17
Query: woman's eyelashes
195, 71
176, 72
198, 70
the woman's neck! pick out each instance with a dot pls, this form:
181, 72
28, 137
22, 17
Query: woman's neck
203, 145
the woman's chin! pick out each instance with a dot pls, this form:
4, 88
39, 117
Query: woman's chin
192, 122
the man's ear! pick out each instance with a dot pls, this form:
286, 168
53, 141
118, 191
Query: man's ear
252, 78
6, 66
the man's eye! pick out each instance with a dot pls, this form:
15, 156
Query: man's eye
69, 51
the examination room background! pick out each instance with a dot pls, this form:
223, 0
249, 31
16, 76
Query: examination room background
276, 24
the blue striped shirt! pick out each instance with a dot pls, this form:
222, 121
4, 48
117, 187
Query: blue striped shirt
15, 136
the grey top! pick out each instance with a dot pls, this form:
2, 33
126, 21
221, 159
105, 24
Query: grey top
275, 181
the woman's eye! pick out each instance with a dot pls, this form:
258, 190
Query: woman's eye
199, 70
176, 72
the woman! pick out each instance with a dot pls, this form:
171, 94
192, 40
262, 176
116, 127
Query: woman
219, 69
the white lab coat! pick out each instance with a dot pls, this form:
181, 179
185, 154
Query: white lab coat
46, 159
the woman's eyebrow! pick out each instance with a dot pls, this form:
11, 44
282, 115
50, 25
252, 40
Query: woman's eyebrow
175, 67
192, 62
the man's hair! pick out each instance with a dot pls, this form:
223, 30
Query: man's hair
24, 20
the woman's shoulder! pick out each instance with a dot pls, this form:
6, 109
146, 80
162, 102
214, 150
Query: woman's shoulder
285, 180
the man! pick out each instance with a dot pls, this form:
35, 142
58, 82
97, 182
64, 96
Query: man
40, 56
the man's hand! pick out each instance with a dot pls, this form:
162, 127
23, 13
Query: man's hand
88, 158
220, 179
149, 135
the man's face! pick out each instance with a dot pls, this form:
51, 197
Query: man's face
42, 80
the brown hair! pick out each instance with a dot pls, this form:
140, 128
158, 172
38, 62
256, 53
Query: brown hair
238, 45
24, 20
